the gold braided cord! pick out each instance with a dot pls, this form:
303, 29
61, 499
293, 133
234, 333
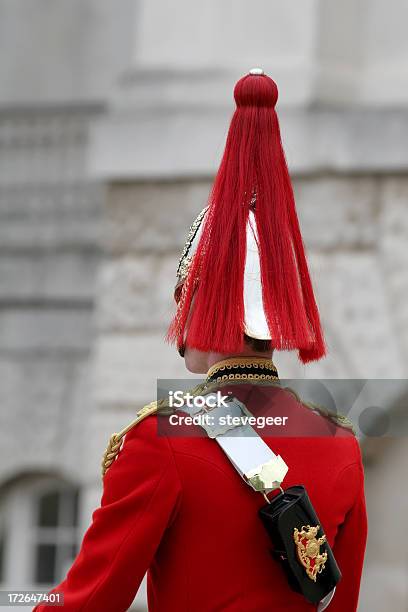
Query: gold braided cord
244, 377
337, 419
116, 439
111, 452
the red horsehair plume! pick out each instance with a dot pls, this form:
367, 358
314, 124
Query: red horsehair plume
253, 162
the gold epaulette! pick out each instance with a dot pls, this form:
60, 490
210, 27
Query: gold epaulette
116, 439
334, 417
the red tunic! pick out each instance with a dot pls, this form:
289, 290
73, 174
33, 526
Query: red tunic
176, 507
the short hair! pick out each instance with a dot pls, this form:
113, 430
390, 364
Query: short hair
257, 345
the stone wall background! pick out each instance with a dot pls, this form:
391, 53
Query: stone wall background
112, 119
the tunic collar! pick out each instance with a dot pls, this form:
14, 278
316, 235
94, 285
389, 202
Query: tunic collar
242, 369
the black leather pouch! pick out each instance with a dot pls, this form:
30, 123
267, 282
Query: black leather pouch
299, 544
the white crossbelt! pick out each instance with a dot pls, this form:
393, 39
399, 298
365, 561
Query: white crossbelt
249, 454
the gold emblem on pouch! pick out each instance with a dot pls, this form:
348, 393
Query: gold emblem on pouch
308, 550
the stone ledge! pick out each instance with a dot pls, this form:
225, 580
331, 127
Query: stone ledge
29, 330
159, 143
62, 276
152, 217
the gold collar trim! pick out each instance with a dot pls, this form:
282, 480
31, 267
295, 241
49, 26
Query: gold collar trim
242, 368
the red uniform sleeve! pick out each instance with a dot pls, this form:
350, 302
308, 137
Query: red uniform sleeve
350, 542
140, 498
